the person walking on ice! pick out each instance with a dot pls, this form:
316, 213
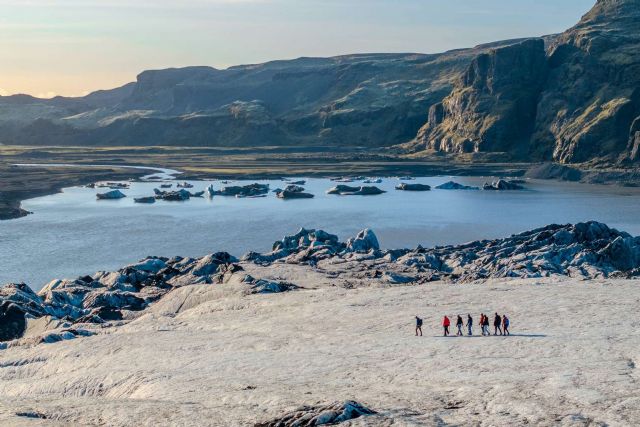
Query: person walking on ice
445, 324
485, 325
459, 325
469, 324
497, 324
505, 325
418, 326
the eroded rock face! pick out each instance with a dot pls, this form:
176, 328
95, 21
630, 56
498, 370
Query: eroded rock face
575, 100
592, 97
307, 416
493, 106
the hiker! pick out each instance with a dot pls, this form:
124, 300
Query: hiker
485, 325
445, 324
497, 324
505, 325
418, 326
469, 324
459, 325
481, 323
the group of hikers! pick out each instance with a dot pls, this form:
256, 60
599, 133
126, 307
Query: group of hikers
500, 325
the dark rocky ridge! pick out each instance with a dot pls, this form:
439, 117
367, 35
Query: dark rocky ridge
370, 100
577, 102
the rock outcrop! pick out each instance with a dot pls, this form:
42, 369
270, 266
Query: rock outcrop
494, 103
592, 96
575, 100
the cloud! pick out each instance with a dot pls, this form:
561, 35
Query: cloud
4, 92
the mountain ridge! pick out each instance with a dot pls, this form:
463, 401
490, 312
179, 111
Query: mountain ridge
571, 98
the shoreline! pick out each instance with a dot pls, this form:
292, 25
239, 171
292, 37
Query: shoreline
247, 163
44, 181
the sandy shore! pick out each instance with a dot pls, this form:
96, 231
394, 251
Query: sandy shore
209, 355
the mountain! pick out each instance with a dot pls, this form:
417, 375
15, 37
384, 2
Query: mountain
576, 100
371, 100
572, 97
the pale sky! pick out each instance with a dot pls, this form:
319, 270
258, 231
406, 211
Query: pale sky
72, 47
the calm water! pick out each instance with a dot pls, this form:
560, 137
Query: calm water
72, 233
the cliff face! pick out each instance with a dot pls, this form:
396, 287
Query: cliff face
358, 100
578, 102
493, 106
592, 96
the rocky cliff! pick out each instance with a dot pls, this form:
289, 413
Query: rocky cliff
493, 106
576, 102
367, 100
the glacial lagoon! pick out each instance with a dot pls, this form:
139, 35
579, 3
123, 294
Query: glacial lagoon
72, 233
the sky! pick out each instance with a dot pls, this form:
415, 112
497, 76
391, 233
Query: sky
73, 47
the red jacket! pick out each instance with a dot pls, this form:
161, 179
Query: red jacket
446, 321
